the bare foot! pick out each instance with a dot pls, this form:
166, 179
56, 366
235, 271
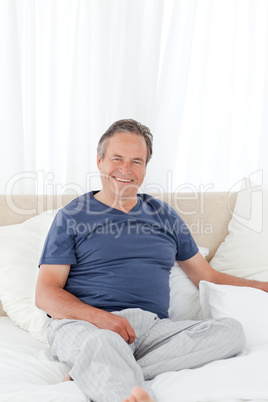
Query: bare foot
67, 378
139, 395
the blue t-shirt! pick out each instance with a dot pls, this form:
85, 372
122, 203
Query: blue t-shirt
119, 260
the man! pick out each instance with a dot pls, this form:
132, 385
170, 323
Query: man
104, 279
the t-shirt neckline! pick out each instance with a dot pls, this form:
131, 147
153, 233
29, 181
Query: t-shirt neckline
115, 210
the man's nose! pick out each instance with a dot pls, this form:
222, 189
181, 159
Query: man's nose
125, 168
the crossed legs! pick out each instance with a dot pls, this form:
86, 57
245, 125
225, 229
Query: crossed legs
105, 367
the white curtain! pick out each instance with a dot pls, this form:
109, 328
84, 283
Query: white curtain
194, 71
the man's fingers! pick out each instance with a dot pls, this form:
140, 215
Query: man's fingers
128, 334
125, 335
131, 334
117, 324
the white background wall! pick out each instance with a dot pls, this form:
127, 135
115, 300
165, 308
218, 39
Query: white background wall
194, 71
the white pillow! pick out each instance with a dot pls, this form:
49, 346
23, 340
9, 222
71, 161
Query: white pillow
244, 251
184, 294
20, 249
247, 305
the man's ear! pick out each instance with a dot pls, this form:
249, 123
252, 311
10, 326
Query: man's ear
98, 162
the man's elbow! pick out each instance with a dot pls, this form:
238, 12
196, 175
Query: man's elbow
38, 301
40, 298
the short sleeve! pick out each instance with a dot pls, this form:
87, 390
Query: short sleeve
186, 246
59, 246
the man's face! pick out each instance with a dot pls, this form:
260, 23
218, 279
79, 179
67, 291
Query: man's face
123, 167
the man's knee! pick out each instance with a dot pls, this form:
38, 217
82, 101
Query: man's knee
232, 334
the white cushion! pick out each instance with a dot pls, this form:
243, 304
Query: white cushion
244, 251
20, 249
247, 305
184, 295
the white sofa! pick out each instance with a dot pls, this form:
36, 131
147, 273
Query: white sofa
27, 372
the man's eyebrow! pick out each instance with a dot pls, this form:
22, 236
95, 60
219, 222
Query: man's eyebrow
120, 156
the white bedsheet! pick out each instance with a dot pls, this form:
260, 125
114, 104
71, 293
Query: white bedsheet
27, 373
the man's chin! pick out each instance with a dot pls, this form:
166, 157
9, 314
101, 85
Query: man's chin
122, 190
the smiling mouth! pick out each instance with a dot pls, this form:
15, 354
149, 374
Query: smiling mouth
122, 180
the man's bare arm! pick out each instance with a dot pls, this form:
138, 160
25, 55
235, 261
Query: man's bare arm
198, 269
58, 303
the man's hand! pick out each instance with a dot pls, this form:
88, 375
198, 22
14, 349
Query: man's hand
115, 323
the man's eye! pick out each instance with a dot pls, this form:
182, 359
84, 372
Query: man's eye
137, 162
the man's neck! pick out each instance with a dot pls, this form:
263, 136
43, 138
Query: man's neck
124, 204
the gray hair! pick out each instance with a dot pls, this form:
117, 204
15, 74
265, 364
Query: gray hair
126, 126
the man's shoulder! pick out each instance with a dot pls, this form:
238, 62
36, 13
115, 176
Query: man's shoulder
80, 200
79, 204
